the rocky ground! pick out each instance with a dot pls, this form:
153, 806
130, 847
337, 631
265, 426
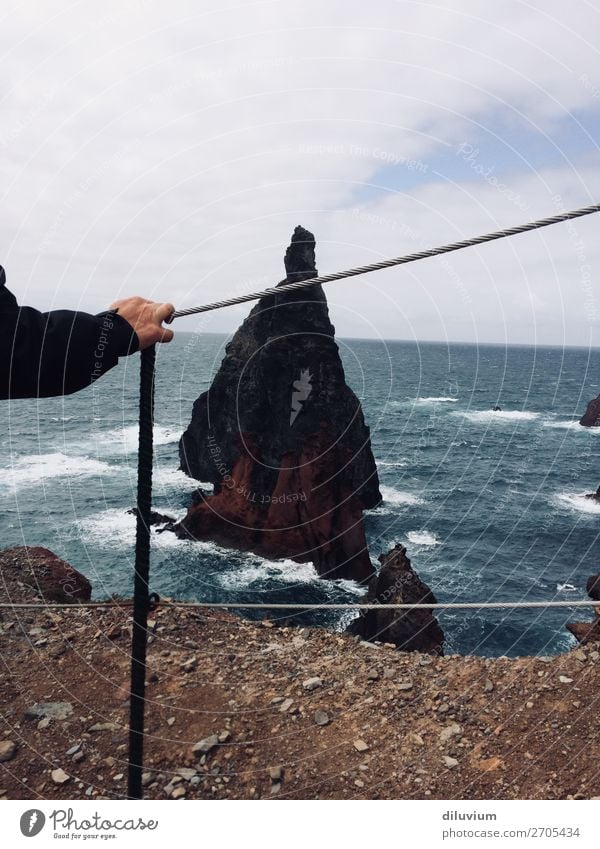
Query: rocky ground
247, 711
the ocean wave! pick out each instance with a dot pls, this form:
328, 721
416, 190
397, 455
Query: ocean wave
578, 501
397, 464
487, 416
261, 571
425, 539
125, 439
31, 469
436, 399
573, 424
115, 528
169, 478
399, 497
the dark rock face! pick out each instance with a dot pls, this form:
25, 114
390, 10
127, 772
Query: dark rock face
593, 587
53, 579
588, 632
591, 417
398, 583
282, 438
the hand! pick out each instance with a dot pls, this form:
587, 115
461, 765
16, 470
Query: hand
146, 318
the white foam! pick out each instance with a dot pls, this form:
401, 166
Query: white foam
125, 439
439, 399
573, 424
426, 539
399, 497
283, 571
115, 528
578, 501
397, 464
566, 588
34, 468
487, 416
167, 477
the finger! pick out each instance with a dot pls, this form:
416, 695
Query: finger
167, 336
163, 311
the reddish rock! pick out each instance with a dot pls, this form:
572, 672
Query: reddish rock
398, 583
588, 632
591, 417
282, 438
53, 579
585, 632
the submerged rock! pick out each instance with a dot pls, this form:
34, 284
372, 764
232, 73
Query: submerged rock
282, 438
591, 417
398, 583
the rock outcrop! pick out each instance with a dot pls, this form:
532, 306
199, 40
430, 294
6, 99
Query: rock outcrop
398, 583
588, 632
52, 579
591, 417
282, 438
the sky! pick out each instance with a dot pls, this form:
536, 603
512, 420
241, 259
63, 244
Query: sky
169, 150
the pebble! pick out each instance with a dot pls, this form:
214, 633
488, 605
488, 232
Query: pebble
187, 773
74, 749
488, 686
450, 762
59, 776
360, 746
275, 773
372, 675
321, 717
204, 746
405, 685
285, 705
8, 750
564, 679
312, 684
449, 732
78, 757
105, 726
53, 710
178, 793
171, 721
146, 778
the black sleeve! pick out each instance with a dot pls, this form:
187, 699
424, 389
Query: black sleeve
59, 352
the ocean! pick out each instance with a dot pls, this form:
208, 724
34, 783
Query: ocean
490, 505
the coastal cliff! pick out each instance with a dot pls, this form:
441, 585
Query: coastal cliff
283, 439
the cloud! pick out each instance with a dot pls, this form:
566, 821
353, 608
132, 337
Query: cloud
169, 149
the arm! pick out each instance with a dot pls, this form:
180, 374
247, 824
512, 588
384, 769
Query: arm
60, 352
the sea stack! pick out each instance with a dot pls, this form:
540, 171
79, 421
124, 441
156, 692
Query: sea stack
410, 630
591, 417
282, 438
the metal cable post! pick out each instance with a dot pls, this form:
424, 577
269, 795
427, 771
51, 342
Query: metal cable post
142, 573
